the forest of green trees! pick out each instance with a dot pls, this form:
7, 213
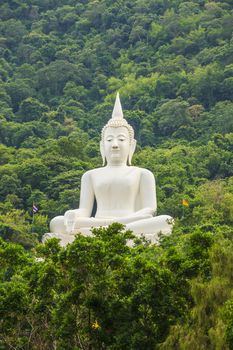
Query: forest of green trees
61, 64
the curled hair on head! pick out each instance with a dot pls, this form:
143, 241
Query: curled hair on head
116, 123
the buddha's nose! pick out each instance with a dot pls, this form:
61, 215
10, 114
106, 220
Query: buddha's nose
115, 145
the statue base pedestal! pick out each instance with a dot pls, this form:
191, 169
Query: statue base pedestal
151, 229
65, 239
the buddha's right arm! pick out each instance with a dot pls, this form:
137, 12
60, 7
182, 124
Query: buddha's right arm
86, 203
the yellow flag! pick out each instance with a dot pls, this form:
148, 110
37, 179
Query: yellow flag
185, 203
95, 325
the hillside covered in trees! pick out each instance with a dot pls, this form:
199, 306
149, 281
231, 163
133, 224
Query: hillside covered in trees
61, 63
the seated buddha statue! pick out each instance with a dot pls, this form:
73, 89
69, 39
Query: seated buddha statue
123, 193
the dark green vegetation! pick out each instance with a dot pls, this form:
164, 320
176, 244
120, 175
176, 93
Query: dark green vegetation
61, 63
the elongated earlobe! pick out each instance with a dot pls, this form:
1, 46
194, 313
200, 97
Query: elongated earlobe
102, 152
131, 151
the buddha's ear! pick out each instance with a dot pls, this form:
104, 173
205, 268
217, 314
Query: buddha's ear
102, 151
132, 150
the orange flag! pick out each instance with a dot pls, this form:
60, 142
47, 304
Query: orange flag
185, 203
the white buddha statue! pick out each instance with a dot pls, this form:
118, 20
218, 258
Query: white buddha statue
125, 194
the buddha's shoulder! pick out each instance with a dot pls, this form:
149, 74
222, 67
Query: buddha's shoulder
147, 174
143, 171
92, 172
143, 174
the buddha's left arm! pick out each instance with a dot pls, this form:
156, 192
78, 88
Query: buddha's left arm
148, 191
148, 201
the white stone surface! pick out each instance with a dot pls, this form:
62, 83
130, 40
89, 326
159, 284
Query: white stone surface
124, 193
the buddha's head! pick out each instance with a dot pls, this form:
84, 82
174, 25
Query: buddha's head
117, 143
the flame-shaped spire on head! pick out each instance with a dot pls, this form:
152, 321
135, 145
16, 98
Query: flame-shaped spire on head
117, 112
117, 120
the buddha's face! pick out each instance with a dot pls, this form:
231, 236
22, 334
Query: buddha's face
116, 145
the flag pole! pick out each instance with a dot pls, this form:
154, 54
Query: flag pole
34, 210
32, 217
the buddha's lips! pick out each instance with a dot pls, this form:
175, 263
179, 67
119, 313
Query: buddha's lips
115, 153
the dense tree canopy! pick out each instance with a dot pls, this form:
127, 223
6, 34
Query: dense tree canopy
61, 63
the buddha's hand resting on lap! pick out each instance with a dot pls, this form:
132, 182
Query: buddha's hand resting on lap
133, 218
145, 213
69, 220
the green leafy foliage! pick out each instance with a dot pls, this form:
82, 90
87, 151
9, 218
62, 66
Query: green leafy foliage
61, 63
